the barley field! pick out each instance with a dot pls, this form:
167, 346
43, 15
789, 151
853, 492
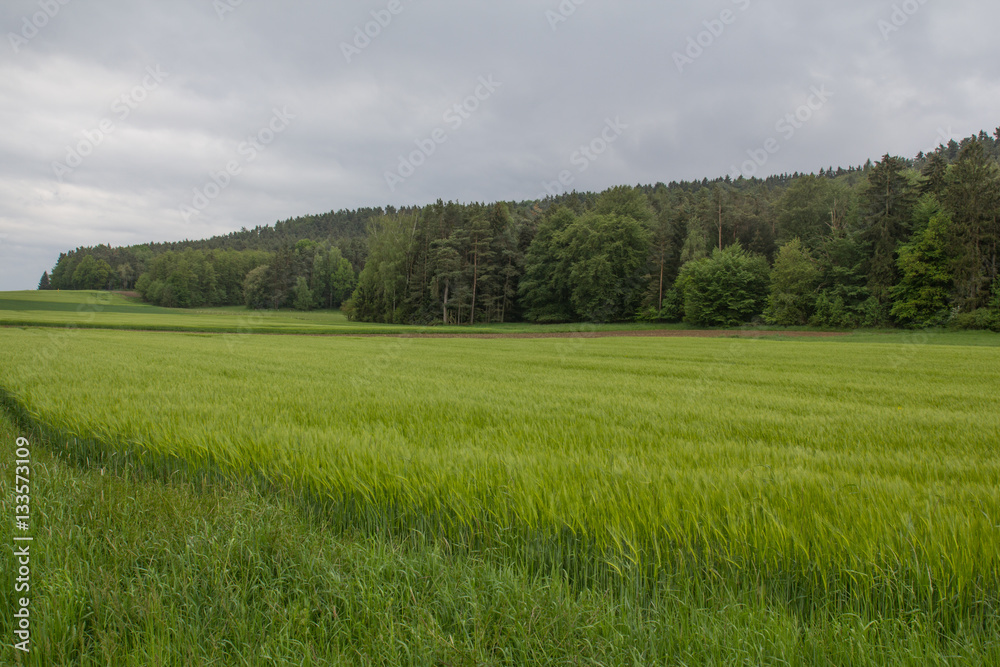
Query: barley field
825, 477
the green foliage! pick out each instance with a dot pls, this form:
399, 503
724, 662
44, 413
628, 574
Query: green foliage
627, 202
602, 258
696, 244
843, 290
303, 296
257, 293
545, 292
381, 289
982, 319
590, 267
476, 263
194, 278
44, 283
887, 211
921, 298
342, 282
729, 288
973, 197
793, 286
91, 274
805, 210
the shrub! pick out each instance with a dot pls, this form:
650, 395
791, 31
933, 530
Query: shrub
727, 289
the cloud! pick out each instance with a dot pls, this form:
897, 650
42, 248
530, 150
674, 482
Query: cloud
354, 120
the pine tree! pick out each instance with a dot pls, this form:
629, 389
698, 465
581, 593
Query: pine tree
921, 298
934, 175
887, 208
973, 196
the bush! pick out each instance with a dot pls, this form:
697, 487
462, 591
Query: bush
729, 288
984, 319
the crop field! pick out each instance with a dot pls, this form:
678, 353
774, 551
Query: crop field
827, 479
106, 310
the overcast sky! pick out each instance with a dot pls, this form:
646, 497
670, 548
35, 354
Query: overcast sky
132, 121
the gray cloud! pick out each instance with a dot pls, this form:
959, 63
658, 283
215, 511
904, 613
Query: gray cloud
353, 120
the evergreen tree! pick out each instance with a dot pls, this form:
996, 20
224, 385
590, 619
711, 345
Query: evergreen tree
921, 298
44, 283
843, 288
934, 176
973, 197
805, 210
887, 209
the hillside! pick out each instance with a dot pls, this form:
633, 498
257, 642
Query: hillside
899, 241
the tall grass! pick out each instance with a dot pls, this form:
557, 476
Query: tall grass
134, 568
826, 479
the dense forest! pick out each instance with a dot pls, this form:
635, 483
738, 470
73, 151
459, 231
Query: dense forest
908, 242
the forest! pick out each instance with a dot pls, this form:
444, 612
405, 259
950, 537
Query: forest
898, 242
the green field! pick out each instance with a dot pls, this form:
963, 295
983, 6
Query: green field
613, 500
107, 310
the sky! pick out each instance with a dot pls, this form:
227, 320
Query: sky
129, 121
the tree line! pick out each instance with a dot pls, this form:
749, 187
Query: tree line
895, 242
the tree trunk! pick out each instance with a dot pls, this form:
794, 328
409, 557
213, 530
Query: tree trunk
475, 281
444, 304
506, 290
720, 222
662, 252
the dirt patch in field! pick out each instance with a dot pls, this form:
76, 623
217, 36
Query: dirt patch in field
653, 333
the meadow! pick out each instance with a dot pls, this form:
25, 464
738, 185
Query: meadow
108, 310
846, 489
